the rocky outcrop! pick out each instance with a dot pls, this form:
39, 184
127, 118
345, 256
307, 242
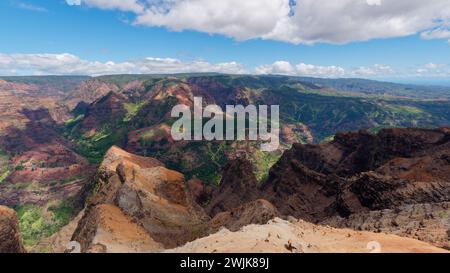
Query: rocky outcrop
280, 236
258, 212
106, 229
298, 133
152, 139
89, 91
361, 172
355, 152
10, 241
237, 187
109, 109
299, 191
425, 222
152, 195
199, 192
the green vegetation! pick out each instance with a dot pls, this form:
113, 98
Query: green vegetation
327, 140
5, 168
94, 147
69, 180
73, 121
264, 161
132, 110
20, 186
4, 175
37, 223
151, 134
200, 159
19, 167
62, 181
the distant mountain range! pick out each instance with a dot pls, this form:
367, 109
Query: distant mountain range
345, 85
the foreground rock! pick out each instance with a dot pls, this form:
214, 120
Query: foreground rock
153, 196
280, 236
106, 229
10, 241
258, 212
426, 222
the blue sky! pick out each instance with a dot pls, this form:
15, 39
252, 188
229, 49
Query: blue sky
94, 35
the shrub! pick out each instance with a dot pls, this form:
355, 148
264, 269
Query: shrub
35, 227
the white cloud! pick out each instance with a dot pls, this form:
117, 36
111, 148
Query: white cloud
68, 64
307, 22
240, 19
320, 71
433, 66
433, 70
123, 5
31, 7
333, 71
302, 69
375, 70
279, 67
437, 33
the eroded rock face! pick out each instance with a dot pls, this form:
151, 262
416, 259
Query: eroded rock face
238, 186
425, 222
40, 165
107, 109
361, 172
301, 192
199, 192
110, 176
258, 212
106, 229
10, 241
357, 176
89, 91
152, 195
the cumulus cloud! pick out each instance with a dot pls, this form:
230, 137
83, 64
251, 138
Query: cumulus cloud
320, 71
279, 67
333, 71
68, 64
123, 5
375, 70
235, 18
294, 21
433, 70
437, 33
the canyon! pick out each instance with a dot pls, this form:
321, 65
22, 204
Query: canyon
92, 161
